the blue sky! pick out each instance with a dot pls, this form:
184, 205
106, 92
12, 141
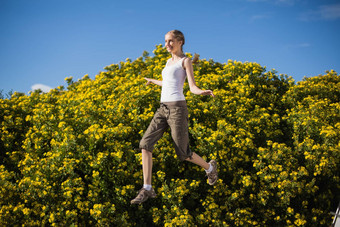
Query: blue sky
44, 41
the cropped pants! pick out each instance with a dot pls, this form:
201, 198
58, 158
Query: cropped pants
175, 116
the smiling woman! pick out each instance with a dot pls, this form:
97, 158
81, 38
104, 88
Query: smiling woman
172, 113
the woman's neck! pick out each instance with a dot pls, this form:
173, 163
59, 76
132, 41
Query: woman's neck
177, 56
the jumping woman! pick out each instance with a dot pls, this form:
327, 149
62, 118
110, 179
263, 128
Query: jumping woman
172, 113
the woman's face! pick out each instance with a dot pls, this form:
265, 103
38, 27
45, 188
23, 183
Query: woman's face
172, 44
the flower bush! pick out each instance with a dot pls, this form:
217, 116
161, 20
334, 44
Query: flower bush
70, 157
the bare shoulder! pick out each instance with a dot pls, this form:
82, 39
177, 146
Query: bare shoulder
187, 62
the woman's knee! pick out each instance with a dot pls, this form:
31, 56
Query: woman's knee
145, 151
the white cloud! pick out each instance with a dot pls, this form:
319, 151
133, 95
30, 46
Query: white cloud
256, 0
330, 12
297, 46
42, 87
259, 17
325, 12
286, 2
302, 45
279, 2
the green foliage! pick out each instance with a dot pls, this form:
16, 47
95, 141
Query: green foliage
70, 157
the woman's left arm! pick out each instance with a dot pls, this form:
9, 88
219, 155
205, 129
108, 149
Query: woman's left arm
191, 80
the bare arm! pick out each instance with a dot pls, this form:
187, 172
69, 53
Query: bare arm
153, 81
191, 80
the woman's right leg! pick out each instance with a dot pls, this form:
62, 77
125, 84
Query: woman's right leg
147, 166
147, 191
154, 132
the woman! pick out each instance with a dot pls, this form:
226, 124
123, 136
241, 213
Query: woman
172, 113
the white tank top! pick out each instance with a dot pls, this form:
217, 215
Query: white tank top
172, 83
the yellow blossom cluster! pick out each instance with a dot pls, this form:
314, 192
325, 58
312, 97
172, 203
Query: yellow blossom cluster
70, 157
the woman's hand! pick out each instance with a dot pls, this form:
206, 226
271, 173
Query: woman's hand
148, 81
207, 92
153, 81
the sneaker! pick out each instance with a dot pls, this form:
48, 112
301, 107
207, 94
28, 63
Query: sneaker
212, 176
143, 195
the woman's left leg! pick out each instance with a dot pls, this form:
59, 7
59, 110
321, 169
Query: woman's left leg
178, 122
198, 160
210, 168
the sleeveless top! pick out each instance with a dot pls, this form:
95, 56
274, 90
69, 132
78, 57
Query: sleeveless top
172, 84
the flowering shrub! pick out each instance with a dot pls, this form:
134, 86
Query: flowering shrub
70, 157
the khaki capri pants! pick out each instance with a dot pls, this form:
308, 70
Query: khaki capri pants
175, 116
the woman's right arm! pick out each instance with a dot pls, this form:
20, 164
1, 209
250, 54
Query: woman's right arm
157, 82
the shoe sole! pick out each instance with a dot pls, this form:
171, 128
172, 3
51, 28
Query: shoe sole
137, 202
212, 183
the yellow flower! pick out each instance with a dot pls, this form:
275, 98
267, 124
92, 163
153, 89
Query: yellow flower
290, 210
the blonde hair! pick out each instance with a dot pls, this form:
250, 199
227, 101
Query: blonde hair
179, 36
